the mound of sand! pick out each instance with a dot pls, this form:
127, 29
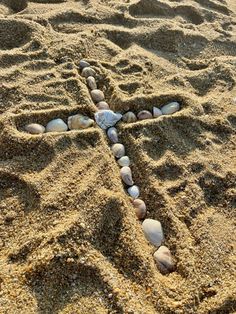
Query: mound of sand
69, 238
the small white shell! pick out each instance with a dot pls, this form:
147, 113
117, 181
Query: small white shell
140, 208
107, 118
126, 175
97, 95
118, 150
134, 191
164, 259
112, 135
35, 128
124, 161
170, 108
56, 125
102, 105
91, 82
86, 72
79, 121
156, 112
83, 64
153, 231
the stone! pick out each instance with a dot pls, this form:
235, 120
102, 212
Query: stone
79, 121
164, 259
56, 125
102, 105
129, 117
107, 118
124, 161
83, 64
153, 231
91, 82
170, 108
112, 135
118, 150
126, 175
156, 112
134, 191
86, 72
35, 128
144, 114
140, 208
97, 95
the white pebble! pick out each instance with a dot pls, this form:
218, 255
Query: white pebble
134, 191
126, 175
83, 64
124, 161
91, 82
35, 128
118, 150
86, 72
164, 259
107, 118
97, 95
102, 105
170, 108
156, 112
56, 125
153, 231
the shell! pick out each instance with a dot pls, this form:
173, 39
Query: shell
107, 118
140, 208
79, 121
156, 112
35, 128
102, 105
134, 191
91, 82
56, 125
124, 161
170, 108
144, 114
164, 259
126, 175
129, 117
83, 64
153, 231
118, 150
97, 95
112, 135
86, 72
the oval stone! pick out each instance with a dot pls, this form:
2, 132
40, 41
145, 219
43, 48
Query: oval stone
164, 259
153, 231
156, 112
86, 72
134, 191
102, 105
83, 64
112, 134
144, 114
140, 208
35, 128
170, 108
118, 150
124, 161
91, 82
56, 125
129, 117
97, 95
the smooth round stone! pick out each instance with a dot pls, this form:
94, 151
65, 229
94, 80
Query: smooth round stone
97, 95
140, 208
83, 64
113, 135
144, 115
170, 108
86, 72
134, 191
124, 161
102, 105
91, 82
164, 259
126, 175
153, 231
118, 150
56, 125
156, 112
129, 117
35, 128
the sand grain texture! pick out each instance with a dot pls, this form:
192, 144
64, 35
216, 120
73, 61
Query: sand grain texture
69, 238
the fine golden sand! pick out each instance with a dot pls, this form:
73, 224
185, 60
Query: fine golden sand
69, 239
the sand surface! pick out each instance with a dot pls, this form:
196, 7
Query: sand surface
69, 238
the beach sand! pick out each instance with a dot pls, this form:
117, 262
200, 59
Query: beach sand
69, 238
